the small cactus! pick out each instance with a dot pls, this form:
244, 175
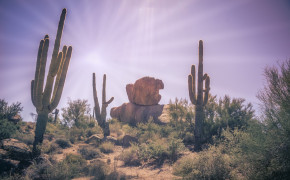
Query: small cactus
199, 100
101, 113
56, 111
46, 100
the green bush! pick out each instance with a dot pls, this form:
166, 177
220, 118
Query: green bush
116, 127
7, 129
63, 143
157, 150
207, 164
73, 166
99, 170
175, 147
89, 152
130, 156
107, 147
76, 134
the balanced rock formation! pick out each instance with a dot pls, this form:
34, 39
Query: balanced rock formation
145, 91
144, 98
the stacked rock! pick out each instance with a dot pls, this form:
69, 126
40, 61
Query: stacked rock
143, 98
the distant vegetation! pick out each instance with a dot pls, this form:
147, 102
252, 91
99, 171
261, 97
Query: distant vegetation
236, 144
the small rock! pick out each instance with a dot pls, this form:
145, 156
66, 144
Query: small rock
94, 139
111, 139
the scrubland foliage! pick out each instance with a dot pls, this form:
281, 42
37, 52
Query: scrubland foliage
8, 128
243, 147
236, 144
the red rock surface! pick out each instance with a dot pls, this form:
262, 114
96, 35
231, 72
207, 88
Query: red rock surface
133, 114
145, 91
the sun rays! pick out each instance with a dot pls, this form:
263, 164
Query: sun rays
130, 39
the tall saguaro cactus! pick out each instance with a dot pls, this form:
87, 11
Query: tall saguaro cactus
201, 98
101, 113
46, 99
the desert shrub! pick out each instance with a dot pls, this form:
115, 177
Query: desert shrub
188, 138
175, 147
56, 130
7, 129
107, 147
91, 131
89, 152
39, 171
130, 156
181, 116
115, 127
7, 112
76, 114
99, 170
207, 164
232, 113
76, 134
63, 143
160, 150
25, 138
91, 123
148, 131
49, 147
154, 150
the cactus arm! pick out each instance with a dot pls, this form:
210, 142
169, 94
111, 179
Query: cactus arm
104, 90
53, 69
39, 87
108, 102
206, 91
57, 97
37, 70
191, 85
32, 89
97, 106
199, 100
64, 50
104, 102
49, 85
55, 61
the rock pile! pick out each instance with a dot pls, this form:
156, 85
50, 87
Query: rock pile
143, 98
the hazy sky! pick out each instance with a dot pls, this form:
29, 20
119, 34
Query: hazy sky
130, 39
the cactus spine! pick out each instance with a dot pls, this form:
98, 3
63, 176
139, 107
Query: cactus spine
46, 100
101, 113
201, 98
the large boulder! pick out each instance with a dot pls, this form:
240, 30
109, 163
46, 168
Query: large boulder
145, 91
16, 150
134, 114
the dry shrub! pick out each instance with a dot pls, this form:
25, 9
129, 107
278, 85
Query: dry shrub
107, 147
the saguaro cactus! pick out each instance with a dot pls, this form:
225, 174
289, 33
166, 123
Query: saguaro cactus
201, 98
46, 100
101, 113
56, 111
